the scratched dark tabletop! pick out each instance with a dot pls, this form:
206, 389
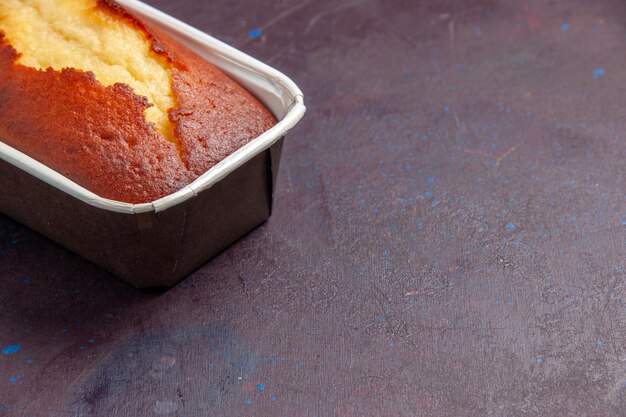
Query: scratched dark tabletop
448, 236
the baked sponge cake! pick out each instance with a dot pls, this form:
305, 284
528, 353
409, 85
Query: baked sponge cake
113, 104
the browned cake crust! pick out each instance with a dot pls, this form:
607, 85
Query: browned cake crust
98, 136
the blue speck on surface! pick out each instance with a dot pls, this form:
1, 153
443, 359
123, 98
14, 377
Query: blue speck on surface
509, 302
385, 253
8, 350
210, 366
623, 222
597, 73
12, 379
20, 376
249, 402
564, 26
273, 361
91, 341
510, 226
273, 398
362, 202
539, 360
419, 224
599, 342
26, 281
381, 318
66, 330
446, 109
260, 387
428, 193
301, 363
83, 347
29, 361
431, 181
255, 33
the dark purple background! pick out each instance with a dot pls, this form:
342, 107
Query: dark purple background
448, 236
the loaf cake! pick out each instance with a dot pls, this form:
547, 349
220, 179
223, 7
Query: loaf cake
112, 103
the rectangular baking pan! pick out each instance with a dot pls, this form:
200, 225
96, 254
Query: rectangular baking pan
157, 244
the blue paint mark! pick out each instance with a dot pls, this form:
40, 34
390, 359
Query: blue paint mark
446, 109
428, 193
26, 281
623, 222
381, 318
431, 181
260, 387
273, 361
362, 202
539, 360
273, 398
420, 224
10, 349
565, 26
597, 73
91, 341
391, 344
210, 366
83, 347
255, 33
408, 167
66, 330
20, 376
301, 363
12, 379
385, 253
249, 402
29, 361
510, 226
509, 302
599, 342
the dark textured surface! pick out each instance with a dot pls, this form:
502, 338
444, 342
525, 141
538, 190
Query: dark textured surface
448, 236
